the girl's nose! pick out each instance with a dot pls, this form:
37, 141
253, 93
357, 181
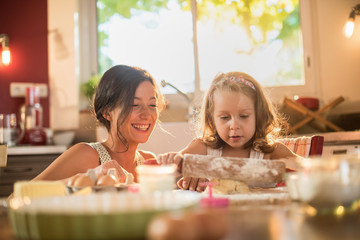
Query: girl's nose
234, 125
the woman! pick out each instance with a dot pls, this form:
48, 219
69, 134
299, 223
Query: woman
127, 102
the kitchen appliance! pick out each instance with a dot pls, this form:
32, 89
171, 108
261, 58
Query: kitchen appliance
31, 116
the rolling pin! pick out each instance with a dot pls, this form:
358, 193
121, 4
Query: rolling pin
255, 172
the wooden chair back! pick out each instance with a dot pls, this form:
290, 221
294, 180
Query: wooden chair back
305, 146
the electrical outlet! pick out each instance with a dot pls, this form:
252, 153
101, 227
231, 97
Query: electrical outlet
18, 89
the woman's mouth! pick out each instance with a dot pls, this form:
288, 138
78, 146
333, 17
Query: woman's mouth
141, 127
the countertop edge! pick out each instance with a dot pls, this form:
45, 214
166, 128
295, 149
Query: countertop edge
36, 150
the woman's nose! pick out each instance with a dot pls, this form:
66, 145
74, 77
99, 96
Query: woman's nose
144, 111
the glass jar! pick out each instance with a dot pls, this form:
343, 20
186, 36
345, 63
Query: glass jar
31, 115
156, 178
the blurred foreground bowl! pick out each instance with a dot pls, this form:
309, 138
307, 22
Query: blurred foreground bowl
94, 216
328, 184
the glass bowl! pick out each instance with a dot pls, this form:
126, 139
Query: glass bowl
327, 184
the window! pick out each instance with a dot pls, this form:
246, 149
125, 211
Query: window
262, 38
158, 38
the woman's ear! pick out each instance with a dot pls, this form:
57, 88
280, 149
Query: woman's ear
106, 115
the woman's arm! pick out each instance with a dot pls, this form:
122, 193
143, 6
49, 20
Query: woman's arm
77, 159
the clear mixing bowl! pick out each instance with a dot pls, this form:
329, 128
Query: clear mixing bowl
327, 184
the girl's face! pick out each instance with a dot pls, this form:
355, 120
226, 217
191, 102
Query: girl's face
234, 117
143, 116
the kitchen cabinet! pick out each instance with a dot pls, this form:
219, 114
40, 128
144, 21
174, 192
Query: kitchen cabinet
338, 143
25, 163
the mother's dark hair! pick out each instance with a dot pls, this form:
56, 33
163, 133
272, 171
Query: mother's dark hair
117, 88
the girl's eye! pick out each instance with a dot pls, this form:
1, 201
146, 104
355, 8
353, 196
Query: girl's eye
224, 117
244, 116
153, 105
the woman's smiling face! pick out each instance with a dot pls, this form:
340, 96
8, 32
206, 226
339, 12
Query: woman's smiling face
234, 117
142, 118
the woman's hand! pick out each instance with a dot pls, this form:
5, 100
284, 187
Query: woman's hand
192, 184
169, 158
121, 173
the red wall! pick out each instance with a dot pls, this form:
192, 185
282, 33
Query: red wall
25, 22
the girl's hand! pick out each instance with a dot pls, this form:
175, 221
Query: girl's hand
192, 184
169, 158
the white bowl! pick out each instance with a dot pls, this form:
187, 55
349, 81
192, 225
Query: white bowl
64, 138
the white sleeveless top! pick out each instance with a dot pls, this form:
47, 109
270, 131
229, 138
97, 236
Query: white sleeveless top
218, 152
104, 156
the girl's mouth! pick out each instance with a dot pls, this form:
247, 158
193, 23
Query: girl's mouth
141, 127
235, 138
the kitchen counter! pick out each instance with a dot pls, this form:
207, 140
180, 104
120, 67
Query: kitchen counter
25, 163
346, 142
36, 150
341, 143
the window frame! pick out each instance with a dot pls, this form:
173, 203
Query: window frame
310, 88
88, 65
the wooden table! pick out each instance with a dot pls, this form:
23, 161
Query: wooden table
268, 221
290, 223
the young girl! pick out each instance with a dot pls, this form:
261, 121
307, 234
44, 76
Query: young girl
238, 120
127, 103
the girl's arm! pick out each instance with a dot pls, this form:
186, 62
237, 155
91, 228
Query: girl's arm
283, 152
147, 154
196, 146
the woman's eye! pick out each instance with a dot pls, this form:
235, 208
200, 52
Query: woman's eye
135, 105
224, 117
244, 116
153, 105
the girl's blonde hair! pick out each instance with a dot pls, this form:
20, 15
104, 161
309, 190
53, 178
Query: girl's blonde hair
269, 124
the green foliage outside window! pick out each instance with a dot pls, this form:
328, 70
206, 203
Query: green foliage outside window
280, 16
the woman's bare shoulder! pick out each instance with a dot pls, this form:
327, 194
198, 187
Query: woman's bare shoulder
77, 159
82, 149
81, 153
